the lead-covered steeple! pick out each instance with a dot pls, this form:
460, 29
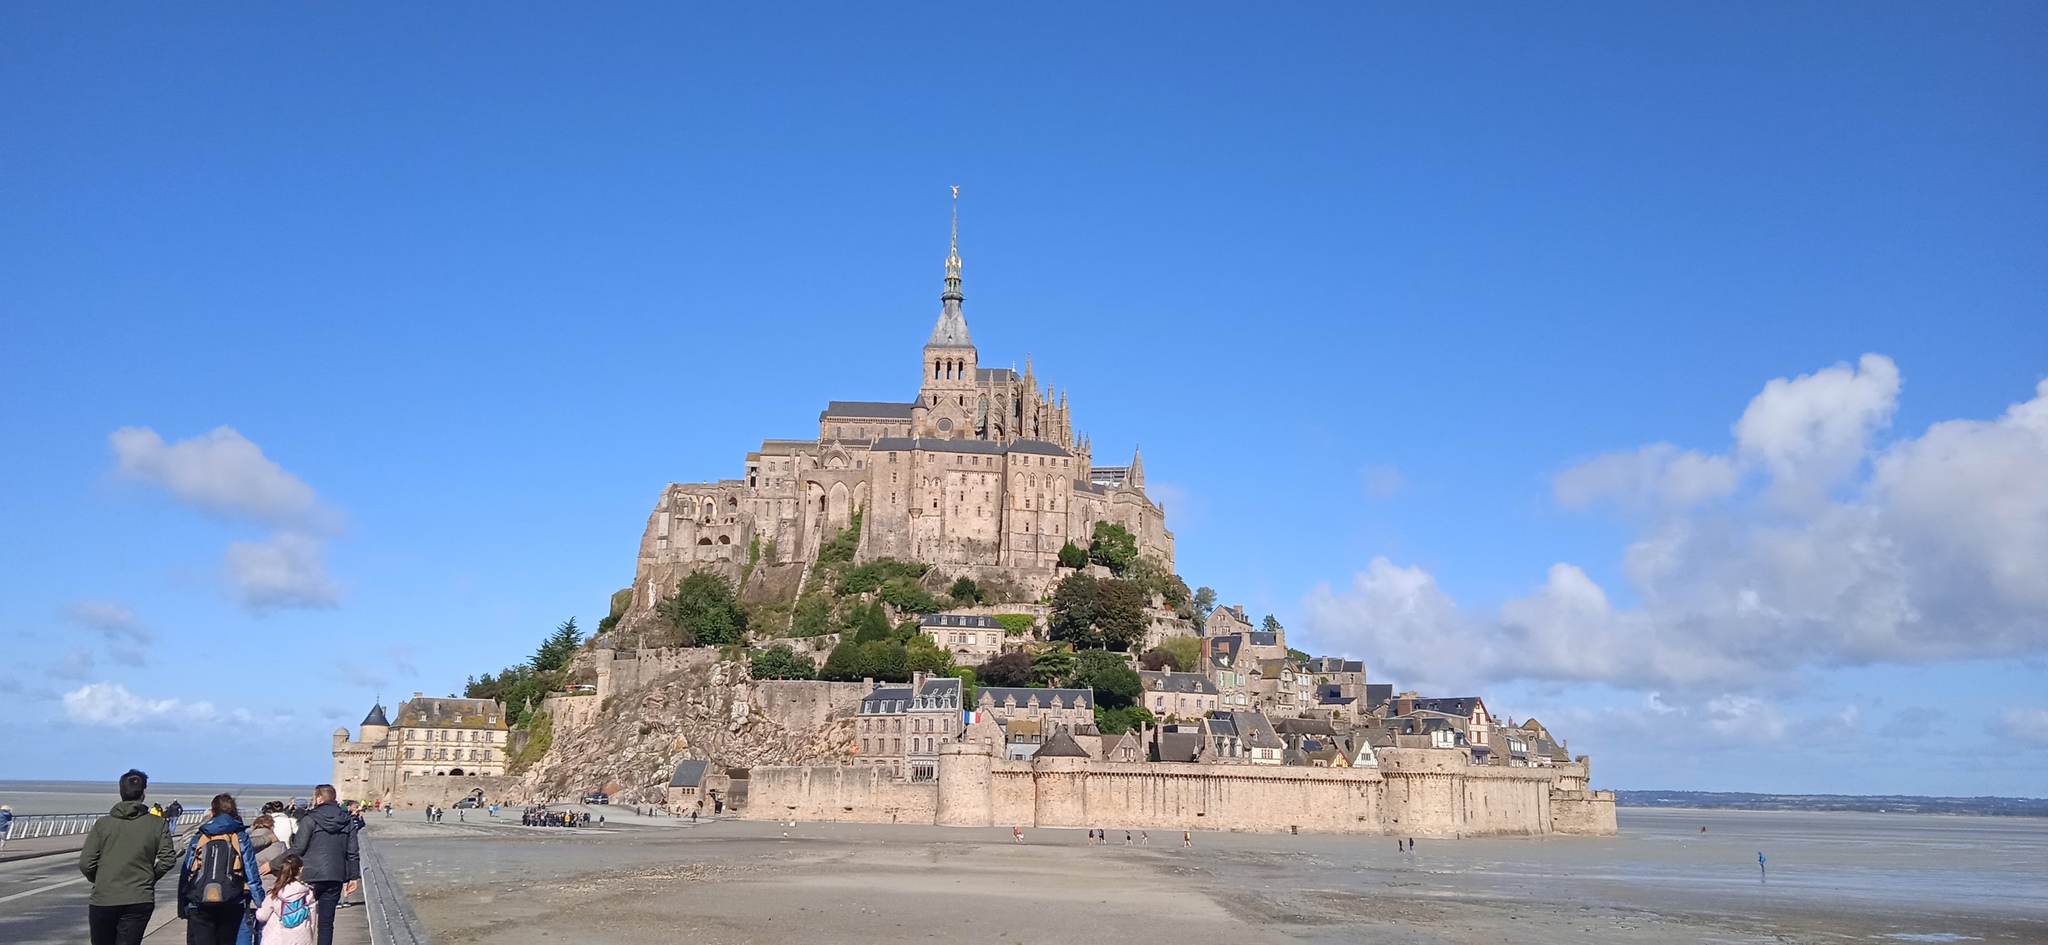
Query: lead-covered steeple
951, 331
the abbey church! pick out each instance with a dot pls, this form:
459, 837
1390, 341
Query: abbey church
979, 474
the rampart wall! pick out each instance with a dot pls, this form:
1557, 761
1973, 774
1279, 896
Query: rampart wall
1414, 792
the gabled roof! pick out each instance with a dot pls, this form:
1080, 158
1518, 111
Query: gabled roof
964, 621
1308, 727
1047, 698
1061, 745
885, 699
1178, 746
867, 410
1161, 681
689, 774
451, 713
1254, 728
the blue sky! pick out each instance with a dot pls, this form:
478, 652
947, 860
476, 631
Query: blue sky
1399, 302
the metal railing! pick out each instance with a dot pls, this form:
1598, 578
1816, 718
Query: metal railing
31, 826
392, 921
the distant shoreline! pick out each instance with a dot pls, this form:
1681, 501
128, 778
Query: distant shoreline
1848, 803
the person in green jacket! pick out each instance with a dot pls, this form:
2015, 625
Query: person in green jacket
125, 854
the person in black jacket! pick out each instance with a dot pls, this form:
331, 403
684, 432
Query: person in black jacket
326, 841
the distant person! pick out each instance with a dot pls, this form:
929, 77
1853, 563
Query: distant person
125, 854
1127, 838
173, 812
6, 824
1187, 838
217, 885
281, 821
287, 917
1018, 833
326, 844
1411, 844
1144, 839
263, 833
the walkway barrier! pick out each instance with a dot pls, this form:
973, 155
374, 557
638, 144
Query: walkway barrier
30, 826
392, 921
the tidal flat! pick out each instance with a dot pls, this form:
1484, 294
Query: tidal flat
1833, 877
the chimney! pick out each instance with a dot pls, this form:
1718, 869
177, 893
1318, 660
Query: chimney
419, 695
916, 682
868, 681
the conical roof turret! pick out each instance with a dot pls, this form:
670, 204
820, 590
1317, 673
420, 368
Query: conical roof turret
376, 716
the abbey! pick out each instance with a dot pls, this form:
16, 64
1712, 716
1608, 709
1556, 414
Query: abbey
980, 473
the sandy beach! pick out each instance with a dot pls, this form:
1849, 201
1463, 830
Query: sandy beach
1835, 878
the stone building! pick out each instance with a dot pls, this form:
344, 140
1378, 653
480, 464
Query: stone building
971, 638
902, 728
1068, 708
432, 738
980, 473
1177, 695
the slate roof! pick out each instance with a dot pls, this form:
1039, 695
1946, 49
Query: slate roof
965, 621
1062, 698
1307, 727
1061, 745
1253, 727
867, 410
689, 774
1040, 447
1178, 746
1332, 664
1223, 651
984, 374
883, 700
1459, 705
1160, 681
451, 713
376, 716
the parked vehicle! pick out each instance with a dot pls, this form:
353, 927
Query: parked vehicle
597, 797
469, 803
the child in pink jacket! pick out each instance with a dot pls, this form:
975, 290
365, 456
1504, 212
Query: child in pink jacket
289, 900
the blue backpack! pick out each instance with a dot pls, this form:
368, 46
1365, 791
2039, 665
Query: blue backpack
295, 912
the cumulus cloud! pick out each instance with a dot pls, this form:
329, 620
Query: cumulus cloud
221, 472
224, 474
1819, 547
110, 704
287, 571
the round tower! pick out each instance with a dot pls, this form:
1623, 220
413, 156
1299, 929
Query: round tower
965, 776
375, 726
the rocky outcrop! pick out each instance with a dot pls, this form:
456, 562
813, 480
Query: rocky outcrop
709, 709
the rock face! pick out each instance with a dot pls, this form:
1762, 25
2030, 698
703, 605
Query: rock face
703, 708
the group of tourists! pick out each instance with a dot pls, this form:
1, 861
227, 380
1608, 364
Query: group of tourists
1101, 837
540, 816
275, 880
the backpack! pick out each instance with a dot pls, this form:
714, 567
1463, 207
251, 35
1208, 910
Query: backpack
217, 873
295, 912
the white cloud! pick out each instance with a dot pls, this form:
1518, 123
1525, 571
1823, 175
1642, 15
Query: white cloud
287, 571
113, 619
2022, 725
225, 474
111, 704
221, 472
1382, 481
1850, 553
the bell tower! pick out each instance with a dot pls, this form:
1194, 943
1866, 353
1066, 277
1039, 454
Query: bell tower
949, 394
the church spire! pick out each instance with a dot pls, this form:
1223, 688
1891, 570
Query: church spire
1136, 479
951, 331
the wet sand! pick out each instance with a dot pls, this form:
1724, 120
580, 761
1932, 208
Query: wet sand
1834, 878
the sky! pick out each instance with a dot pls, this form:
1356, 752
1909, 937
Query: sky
1672, 375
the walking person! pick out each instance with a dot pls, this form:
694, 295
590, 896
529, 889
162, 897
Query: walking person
1018, 833
6, 824
216, 881
125, 854
287, 916
263, 833
326, 845
1187, 839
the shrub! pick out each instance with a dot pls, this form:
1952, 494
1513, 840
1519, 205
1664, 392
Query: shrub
1113, 547
813, 616
1119, 721
1186, 651
702, 611
843, 545
1071, 556
1017, 624
910, 597
781, 662
1012, 669
965, 591
872, 575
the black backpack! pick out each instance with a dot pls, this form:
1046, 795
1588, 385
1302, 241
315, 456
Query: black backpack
217, 873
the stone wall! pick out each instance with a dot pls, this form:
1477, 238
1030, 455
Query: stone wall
839, 793
1415, 792
416, 793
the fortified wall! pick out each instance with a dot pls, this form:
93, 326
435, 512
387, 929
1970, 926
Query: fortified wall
1424, 792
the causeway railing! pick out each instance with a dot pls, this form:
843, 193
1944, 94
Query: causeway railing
31, 826
392, 921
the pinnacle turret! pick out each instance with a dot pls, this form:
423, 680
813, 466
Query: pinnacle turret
951, 331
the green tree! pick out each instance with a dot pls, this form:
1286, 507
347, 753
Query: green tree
1158, 658
885, 660
1074, 605
1186, 650
1089, 664
1113, 547
1119, 721
1271, 624
1051, 668
871, 624
922, 654
965, 591
1298, 656
1204, 603
843, 664
908, 596
970, 684
1117, 686
1011, 669
813, 616
555, 651
781, 662
702, 611
1120, 618
1071, 556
